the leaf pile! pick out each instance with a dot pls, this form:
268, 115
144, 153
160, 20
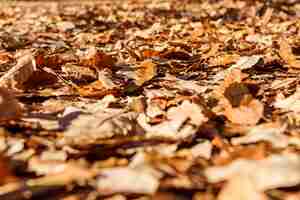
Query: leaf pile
141, 100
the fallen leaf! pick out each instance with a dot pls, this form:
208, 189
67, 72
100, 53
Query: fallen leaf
9, 105
224, 60
96, 59
87, 129
20, 73
64, 26
236, 102
268, 132
98, 89
6, 173
245, 62
57, 173
240, 187
203, 149
275, 171
287, 55
291, 103
145, 72
249, 113
5, 57
173, 127
260, 39
134, 180
78, 73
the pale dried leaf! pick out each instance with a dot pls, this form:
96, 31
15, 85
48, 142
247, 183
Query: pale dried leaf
172, 127
203, 149
104, 76
269, 132
20, 73
15, 146
54, 155
88, 128
291, 103
260, 39
57, 173
240, 187
128, 180
78, 72
245, 62
273, 172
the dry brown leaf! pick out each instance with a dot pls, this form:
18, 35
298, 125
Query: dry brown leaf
96, 89
145, 72
287, 55
224, 60
97, 59
150, 53
5, 172
20, 73
173, 127
245, 62
5, 57
236, 101
249, 113
78, 73
9, 105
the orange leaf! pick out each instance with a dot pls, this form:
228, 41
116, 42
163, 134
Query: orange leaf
97, 59
287, 55
145, 72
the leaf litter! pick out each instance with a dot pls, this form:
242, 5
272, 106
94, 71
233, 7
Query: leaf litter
149, 100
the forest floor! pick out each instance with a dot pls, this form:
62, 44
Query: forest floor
140, 100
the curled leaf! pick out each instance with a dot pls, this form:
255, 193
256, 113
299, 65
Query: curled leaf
287, 55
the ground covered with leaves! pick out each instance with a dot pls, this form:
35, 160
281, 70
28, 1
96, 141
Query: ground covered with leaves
140, 100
